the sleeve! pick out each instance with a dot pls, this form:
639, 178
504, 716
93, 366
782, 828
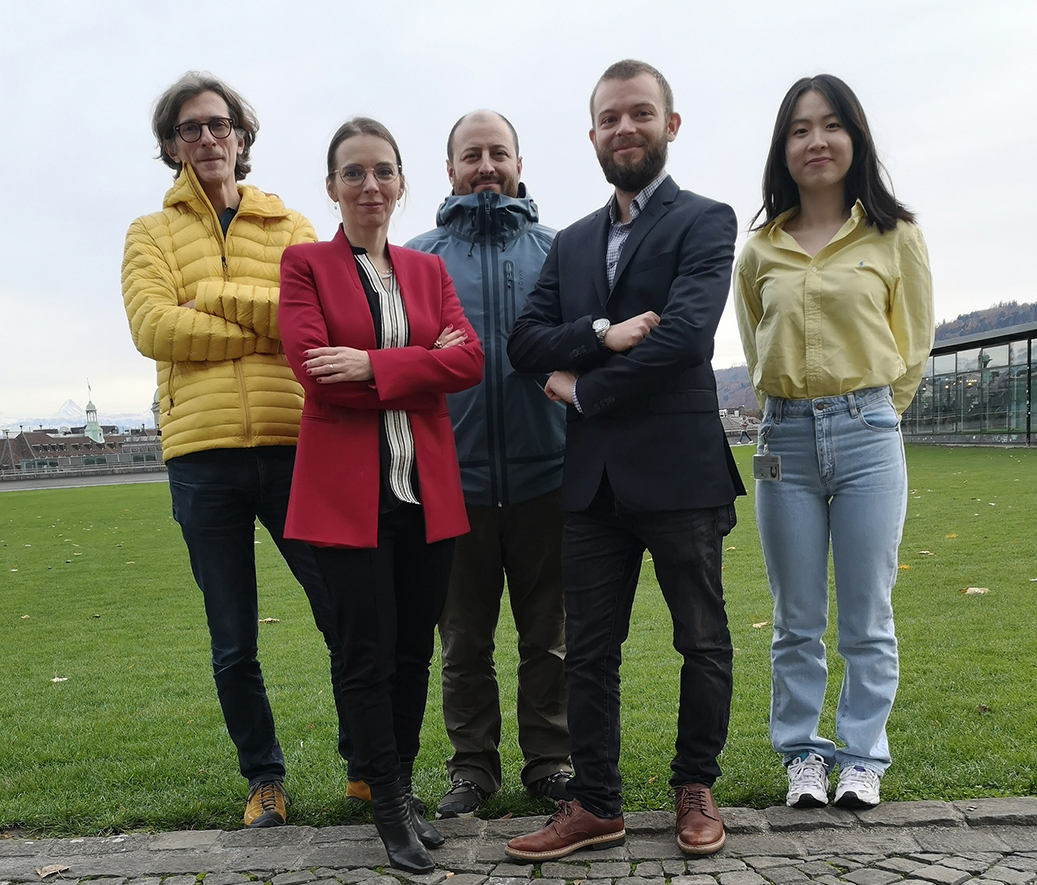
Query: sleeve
687, 325
303, 328
539, 341
748, 312
161, 329
249, 306
911, 314
406, 371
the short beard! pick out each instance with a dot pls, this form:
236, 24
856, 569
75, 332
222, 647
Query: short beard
633, 178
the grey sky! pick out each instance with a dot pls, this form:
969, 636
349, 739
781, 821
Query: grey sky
950, 89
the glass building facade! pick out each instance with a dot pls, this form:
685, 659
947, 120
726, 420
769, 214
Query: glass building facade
977, 390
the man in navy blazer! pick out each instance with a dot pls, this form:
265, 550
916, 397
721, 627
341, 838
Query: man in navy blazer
623, 317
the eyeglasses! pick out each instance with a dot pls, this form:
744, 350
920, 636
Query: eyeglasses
191, 131
355, 176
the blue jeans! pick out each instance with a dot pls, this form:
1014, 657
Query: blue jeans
217, 497
844, 477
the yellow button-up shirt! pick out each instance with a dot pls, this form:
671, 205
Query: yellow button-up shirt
857, 314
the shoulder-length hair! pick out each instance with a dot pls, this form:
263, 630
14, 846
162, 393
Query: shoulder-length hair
191, 84
866, 179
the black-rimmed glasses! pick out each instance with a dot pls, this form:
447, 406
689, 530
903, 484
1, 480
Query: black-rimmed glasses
191, 130
355, 176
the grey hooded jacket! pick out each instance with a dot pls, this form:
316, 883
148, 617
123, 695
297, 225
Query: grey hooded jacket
510, 436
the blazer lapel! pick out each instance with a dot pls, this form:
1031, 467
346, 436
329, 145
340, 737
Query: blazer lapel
656, 209
599, 274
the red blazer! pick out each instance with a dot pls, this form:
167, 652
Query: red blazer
334, 497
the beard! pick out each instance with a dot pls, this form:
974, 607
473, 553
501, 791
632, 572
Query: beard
507, 185
632, 177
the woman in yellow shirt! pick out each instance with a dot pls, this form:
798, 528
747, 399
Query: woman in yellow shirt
834, 306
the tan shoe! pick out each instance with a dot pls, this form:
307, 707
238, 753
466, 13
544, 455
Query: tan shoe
570, 828
265, 806
699, 827
358, 791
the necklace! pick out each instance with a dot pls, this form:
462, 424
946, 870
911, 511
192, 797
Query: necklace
385, 274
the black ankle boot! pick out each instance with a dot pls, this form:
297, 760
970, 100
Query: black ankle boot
427, 833
393, 818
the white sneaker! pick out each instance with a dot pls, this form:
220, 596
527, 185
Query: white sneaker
858, 787
808, 782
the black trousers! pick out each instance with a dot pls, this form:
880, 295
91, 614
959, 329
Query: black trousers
386, 602
602, 550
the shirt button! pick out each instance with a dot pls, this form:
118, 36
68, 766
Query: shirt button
813, 270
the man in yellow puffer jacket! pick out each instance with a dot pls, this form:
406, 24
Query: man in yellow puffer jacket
200, 285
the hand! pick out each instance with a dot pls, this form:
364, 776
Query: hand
330, 365
559, 387
449, 337
622, 336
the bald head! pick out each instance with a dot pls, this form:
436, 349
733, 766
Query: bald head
482, 154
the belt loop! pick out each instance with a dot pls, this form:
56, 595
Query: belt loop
778, 403
852, 400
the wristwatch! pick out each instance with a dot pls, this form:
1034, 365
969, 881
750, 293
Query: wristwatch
601, 327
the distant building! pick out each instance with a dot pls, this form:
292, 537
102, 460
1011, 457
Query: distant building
977, 389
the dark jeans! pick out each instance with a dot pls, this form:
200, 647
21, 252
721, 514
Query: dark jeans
217, 497
602, 550
386, 601
523, 541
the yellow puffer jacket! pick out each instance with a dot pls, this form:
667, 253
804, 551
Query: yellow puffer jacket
223, 381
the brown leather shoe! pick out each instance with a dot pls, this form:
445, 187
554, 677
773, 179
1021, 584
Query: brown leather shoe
699, 827
570, 828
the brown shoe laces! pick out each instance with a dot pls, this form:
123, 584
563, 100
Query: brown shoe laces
689, 799
268, 796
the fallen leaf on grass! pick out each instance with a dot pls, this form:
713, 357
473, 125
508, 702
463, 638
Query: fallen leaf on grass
972, 591
60, 679
902, 567
26, 617
51, 870
729, 548
982, 708
926, 553
760, 624
269, 620
955, 535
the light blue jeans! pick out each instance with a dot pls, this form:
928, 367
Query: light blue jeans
844, 477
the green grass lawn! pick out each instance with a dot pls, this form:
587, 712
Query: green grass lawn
111, 723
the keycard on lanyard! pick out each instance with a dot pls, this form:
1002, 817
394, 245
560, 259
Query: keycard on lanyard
767, 467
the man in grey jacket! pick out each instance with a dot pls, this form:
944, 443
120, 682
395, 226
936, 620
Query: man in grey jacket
510, 440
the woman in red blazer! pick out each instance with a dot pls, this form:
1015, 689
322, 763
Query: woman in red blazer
376, 336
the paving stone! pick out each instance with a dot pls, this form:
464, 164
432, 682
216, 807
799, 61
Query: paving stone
815, 868
194, 839
179, 880
958, 840
968, 864
1005, 873
234, 878
361, 874
468, 879
767, 861
649, 869
502, 880
551, 882
433, 878
828, 880
701, 879
110, 880
297, 878
941, 875
743, 877
999, 812
481, 869
783, 875
354, 833
844, 863
568, 871
650, 848
151, 880
1016, 838
641, 880
743, 820
1021, 862
783, 818
927, 856
871, 876
611, 870
712, 864
514, 869
673, 866
897, 864
911, 814
877, 841
326, 881
778, 844
649, 822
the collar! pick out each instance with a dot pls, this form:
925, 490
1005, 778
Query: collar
639, 202
488, 213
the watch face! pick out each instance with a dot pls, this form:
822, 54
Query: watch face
600, 325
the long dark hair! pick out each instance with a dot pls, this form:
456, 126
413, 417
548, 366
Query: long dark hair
866, 179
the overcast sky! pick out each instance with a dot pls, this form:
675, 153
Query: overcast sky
950, 89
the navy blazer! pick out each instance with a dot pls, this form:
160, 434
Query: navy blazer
650, 415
